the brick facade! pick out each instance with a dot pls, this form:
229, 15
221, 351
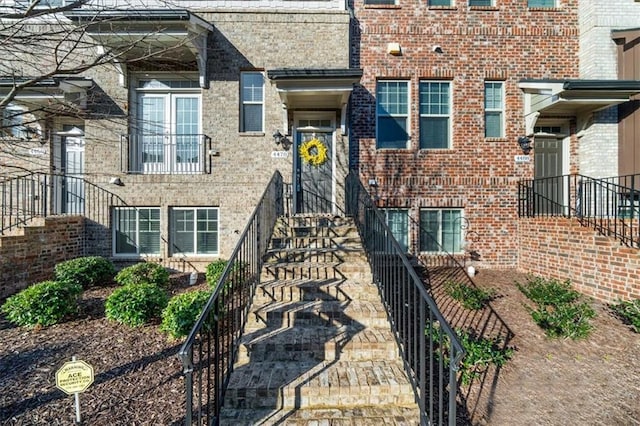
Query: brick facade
31, 255
563, 249
505, 43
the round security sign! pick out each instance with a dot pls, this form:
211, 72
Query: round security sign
74, 377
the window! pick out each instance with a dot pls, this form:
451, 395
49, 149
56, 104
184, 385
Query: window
392, 114
493, 109
374, 2
12, 120
136, 231
167, 138
194, 230
398, 222
480, 2
542, 3
251, 113
440, 2
441, 230
434, 114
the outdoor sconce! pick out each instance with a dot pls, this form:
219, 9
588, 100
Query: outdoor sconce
281, 139
525, 144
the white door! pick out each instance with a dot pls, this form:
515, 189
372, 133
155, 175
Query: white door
73, 170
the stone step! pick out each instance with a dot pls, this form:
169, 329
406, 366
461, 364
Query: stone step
319, 221
378, 415
358, 270
345, 343
313, 254
284, 385
355, 313
297, 290
334, 242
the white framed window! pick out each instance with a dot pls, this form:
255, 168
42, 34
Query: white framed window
440, 2
435, 114
398, 222
493, 109
481, 2
541, 3
136, 231
252, 102
392, 112
441, 230
194, 230
12, 121
167, 136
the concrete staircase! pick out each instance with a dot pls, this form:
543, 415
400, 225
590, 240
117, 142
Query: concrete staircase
318, 348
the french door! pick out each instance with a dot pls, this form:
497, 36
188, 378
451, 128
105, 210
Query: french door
169, 133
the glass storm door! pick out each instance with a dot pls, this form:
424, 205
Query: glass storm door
314, 183
169, 133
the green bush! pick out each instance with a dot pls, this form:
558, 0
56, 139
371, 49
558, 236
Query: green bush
629, 312
44, 304
86, 271
470, 297
135, 304
558, 309
143, 273
180, 315
214, 271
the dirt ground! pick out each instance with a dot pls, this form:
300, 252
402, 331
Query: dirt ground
138, 378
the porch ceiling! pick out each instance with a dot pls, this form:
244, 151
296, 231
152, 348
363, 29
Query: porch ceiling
314, 88
155, 34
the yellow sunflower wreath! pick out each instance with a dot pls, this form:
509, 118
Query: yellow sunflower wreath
313, 152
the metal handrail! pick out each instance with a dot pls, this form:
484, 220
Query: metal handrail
166, 153
428, 344
208, 354
609, 205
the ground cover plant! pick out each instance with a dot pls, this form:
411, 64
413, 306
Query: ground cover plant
629, 313
470, 296
558, 309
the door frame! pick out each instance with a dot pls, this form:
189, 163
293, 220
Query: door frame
317, 115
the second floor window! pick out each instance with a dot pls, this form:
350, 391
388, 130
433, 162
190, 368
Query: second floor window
435, 121
440, 2
252, 93
493, 109
392, 113
480, 2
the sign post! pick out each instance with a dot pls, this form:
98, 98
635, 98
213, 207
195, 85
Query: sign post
74, 377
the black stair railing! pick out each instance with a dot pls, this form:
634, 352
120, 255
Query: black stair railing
208, 354
429, 346
610, 205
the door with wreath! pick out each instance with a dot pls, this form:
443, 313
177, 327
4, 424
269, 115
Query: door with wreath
314, 177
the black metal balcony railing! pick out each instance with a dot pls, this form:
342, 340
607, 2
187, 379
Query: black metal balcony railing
33, 195
166, 153
609, 205
430, 348
208, 353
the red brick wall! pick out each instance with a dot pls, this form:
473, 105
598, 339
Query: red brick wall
596, 265
30, 258
507, 43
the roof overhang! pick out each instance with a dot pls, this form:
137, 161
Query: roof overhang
135, 35
573, 98
32, 93
314, 88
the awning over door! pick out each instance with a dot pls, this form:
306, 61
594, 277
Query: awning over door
571, 98
148, 34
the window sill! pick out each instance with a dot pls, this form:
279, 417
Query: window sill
443, 8
382, 6
251, 134
496, 139
545, 9
483, 8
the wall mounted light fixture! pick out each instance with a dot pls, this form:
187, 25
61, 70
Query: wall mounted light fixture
525, 144
281, 139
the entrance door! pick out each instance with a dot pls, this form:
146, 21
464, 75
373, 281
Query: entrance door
314, 171
548, 185
71, 196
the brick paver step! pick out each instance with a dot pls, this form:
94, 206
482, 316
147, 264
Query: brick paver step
318, 384
357, 416
317, 313
320, 289
346, 343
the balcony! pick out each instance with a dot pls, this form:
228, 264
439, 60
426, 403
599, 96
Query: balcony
146, 153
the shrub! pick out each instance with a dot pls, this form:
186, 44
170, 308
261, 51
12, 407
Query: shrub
214, 271
470, 297
44, 304
180, 315
135, 304
143, 273
629, 312
558, 309
86, 271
